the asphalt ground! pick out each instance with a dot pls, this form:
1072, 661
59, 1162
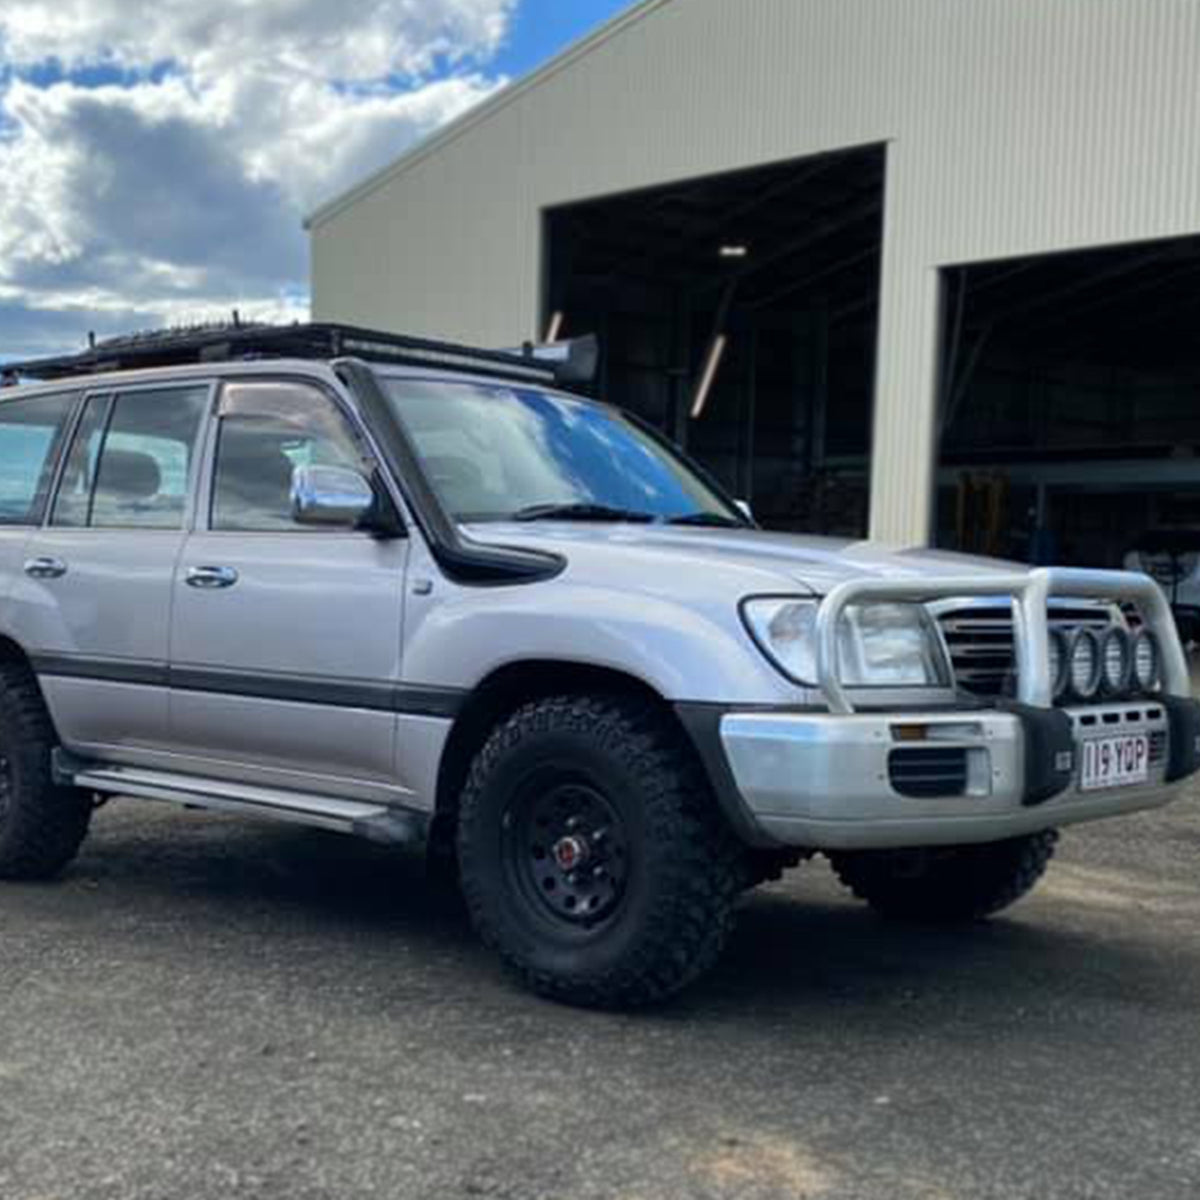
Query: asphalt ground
204, 1008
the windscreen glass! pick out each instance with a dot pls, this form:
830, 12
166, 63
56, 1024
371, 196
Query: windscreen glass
496, 453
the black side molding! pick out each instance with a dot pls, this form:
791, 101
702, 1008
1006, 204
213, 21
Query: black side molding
1183, 722
1049, 752
379, 695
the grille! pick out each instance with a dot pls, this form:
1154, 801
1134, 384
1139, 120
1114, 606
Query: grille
980, 641
929, 772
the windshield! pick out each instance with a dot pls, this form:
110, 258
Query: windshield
498, 452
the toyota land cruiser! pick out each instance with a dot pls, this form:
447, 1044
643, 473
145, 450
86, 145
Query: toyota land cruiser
419, 593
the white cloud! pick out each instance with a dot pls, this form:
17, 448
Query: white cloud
156, 158
358, 40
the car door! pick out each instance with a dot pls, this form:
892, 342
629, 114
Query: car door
33, 431
92, 602
285, 638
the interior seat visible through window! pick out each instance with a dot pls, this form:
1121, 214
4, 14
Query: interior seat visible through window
127, 490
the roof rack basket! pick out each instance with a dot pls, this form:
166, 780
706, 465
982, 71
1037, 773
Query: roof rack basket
563, 363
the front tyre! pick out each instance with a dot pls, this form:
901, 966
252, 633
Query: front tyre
41, 823
954, 883
592, 854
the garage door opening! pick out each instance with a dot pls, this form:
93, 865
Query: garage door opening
738, 314
1070, 408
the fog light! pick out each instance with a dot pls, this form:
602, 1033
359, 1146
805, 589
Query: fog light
1146, 661
1059, 674
1115, 661
1085, 667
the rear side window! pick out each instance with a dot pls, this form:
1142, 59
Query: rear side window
31, 435
131, 460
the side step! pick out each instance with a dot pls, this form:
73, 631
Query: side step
377, 822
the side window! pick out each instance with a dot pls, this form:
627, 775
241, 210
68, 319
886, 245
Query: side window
131, 460
266, 430
31, 434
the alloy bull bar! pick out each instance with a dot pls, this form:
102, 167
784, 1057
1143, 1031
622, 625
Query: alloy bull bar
1029, 593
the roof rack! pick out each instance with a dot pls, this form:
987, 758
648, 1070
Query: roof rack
563, 363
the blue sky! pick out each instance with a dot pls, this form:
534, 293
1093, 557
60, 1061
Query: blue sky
541, 28
157, 156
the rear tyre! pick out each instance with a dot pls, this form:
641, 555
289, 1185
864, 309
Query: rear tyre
592, 854
41, 823
955, 883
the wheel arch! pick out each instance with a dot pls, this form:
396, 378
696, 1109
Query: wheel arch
498, 696
13, 654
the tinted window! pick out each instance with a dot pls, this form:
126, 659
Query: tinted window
266, 430
131, 460
31, 432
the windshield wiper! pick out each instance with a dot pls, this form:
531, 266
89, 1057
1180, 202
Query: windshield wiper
711, 519
581, 512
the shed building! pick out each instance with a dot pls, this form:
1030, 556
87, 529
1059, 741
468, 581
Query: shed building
927, 269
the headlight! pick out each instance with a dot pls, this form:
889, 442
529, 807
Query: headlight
879, 645
1146, 661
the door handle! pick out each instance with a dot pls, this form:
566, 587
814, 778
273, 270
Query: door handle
211, 577
45, 567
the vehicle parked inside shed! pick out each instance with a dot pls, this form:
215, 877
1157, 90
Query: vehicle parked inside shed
419, 593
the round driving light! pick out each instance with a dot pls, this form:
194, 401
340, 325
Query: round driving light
1115, 661
1085, 664
1146, 662
1059, 675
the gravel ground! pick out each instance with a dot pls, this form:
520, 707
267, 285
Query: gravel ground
209, 1008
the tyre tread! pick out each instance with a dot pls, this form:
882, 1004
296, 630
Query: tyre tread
966, 883
707, 865
46, 822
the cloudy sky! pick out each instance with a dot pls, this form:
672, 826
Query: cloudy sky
157, 156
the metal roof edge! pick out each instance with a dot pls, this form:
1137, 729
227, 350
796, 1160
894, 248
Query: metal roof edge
482, 112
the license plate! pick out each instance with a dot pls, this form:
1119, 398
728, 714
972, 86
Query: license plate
1111, 762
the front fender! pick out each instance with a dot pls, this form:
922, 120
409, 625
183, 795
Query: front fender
689, 652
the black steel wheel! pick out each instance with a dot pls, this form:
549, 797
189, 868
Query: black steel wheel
567, 847
592, 853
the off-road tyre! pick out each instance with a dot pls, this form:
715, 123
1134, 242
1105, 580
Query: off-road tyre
682, 868
947, 884
42, 824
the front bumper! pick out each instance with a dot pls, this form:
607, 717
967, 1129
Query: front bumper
865, 780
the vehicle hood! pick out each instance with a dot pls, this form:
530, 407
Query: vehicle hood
673, 559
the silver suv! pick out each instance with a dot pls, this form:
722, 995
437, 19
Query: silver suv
417, 593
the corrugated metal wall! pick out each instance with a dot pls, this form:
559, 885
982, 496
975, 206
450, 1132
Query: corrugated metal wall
1014, 127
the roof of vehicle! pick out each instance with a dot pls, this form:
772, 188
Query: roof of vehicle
563, 363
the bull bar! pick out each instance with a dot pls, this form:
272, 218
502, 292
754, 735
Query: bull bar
1029, 593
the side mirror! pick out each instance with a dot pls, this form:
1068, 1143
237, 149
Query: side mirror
743, 506
335, 496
